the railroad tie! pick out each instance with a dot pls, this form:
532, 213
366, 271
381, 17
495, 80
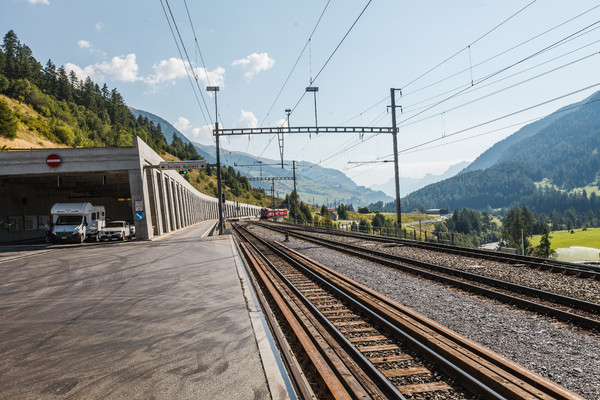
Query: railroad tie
379, 347
357, 339
390, 373
396, 358
423, 387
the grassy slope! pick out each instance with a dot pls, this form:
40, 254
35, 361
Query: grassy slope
593, 188
28, 139
566, 239
409, 221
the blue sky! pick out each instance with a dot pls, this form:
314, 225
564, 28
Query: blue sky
509, 56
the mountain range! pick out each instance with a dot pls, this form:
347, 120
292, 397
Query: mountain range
315, 184
409, 185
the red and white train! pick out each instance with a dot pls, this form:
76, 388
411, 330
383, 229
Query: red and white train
270, 213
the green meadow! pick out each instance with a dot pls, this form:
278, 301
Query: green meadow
565, 239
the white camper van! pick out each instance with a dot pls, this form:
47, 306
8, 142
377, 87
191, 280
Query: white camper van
76, 221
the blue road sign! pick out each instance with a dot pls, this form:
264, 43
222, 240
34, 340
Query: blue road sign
139, 215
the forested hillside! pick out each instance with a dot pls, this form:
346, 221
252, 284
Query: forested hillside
567, 150
73, 112
493, 155
46, 101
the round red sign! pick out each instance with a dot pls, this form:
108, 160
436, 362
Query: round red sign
53, 160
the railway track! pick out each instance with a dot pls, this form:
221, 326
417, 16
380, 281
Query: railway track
351, 342
581, 270
579, 312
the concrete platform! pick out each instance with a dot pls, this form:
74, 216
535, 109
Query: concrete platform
167, 319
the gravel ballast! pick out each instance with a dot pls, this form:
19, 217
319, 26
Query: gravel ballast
566, 285
552, 349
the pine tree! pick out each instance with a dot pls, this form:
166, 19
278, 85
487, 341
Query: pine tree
8, 121
544, 248
10, 46
324, 210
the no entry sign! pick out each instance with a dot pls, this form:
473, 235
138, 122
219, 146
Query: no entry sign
53, 160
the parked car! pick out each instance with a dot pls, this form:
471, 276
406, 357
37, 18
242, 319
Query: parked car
119, 230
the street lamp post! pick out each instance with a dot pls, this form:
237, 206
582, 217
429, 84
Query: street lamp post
215, 89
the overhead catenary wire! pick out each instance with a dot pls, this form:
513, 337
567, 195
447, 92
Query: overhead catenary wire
362, 12
340, 151
468, 46
465, 129
333, 52
289, 76
196, 42
521, 123
565, 109
190, 65
408, 93
326, 62
503, 89
296, 63
493, 57
186, 66
417, 148
498, 72
412, 106
414, 150
522, 110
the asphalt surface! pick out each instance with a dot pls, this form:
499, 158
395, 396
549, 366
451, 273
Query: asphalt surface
164, 319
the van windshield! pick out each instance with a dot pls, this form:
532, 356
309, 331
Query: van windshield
69, 220
115, 224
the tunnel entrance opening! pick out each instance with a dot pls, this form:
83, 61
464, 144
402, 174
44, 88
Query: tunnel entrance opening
26, 200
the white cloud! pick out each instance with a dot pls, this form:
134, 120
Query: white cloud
124, 69
39, 2
182, 124
254, 63
120, 68
202, 135
216, 77
84, 44
82, 73
168, 70
247, 120
99, 26
175, 68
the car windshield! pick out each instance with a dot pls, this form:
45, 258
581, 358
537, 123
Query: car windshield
69, 220
115, 224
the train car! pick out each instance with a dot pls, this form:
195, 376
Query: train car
270, 213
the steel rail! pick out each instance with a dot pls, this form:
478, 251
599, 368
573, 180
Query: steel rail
393, 261
395, 309
381, 381
332, 383
452, 369
297, 377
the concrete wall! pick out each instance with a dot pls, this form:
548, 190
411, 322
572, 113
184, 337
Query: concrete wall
104, 176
